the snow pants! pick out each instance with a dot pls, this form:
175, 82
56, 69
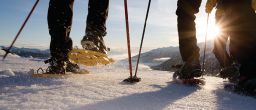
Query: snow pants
220, 52
186, 29
60, 14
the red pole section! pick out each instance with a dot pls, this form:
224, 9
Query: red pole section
128, 36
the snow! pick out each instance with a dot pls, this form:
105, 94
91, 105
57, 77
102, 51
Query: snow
9, 55
7, 73
103, 89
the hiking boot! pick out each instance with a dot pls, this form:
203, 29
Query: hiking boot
55, 66
94, 43
189, 71
72, 67
231, 72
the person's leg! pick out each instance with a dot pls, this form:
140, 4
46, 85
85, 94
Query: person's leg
243, 49
96, 26
221, 40
186, 29
187, 36
229, 69
242, 43
220, 51
244, 52
60, 14
96, 18
247, 56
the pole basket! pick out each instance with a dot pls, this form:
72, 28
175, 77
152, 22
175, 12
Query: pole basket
133, 79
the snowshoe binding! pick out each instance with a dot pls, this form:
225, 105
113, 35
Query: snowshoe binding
55, 66
245, 86
59, 68
72, 67
230, 72
188, 74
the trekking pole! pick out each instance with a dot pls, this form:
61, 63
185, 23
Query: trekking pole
7, 51
142, 38
128, 41
205, 41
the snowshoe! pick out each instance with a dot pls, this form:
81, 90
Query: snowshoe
230, 72
41, 73
45, 74
56, 66
59, 68
189, 70
189, 81
188, 73
244, 87
88, 57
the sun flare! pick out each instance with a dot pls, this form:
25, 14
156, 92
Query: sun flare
212, 32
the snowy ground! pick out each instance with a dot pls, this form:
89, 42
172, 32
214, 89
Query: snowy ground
103, 89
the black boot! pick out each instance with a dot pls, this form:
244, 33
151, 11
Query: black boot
61, 66
94, 43
56, 66
72, 67
189, 70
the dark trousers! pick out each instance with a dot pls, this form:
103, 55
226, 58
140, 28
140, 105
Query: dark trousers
186, 29
220, 52
60, 14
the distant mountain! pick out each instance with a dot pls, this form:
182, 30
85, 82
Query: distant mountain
152, 57
28, 52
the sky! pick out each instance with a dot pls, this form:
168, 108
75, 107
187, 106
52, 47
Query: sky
161, 27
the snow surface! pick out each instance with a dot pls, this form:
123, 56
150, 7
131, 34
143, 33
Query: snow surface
103, 89
2, 53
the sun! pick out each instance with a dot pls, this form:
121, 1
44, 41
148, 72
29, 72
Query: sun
212, 31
